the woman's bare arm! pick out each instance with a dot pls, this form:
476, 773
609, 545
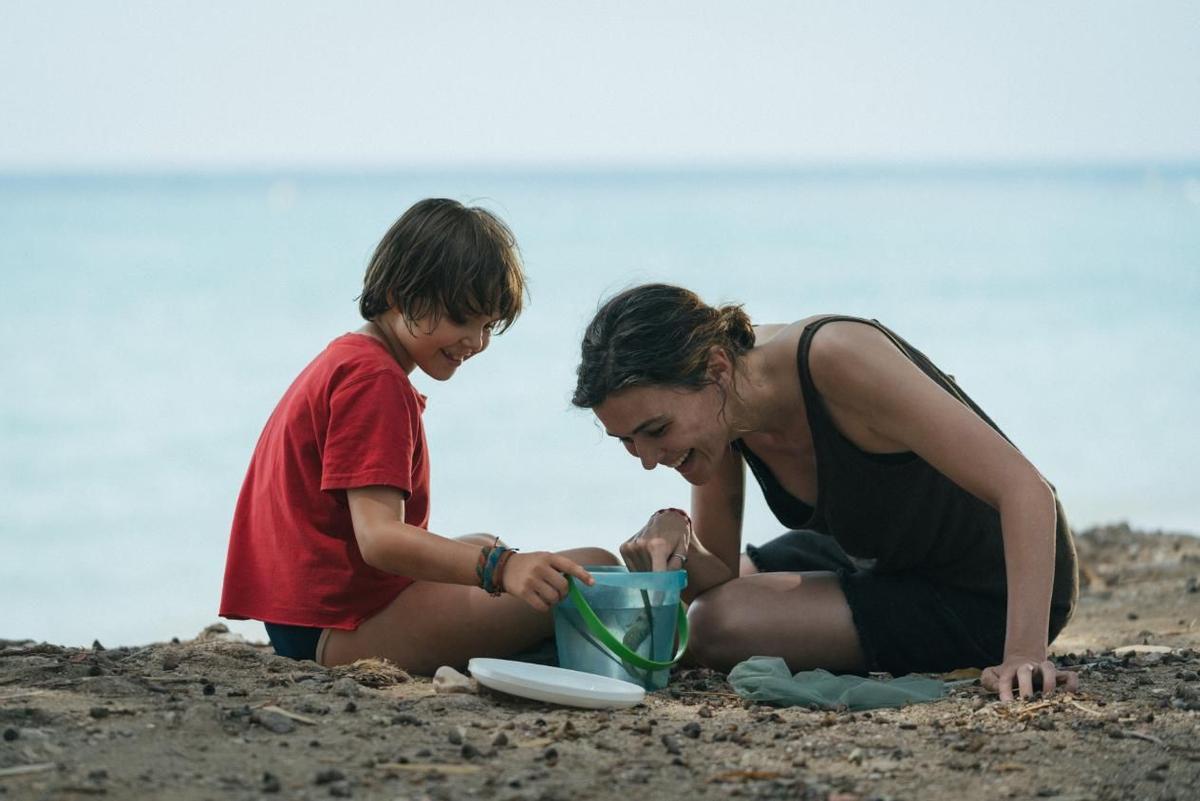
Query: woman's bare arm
717, 508
865, 380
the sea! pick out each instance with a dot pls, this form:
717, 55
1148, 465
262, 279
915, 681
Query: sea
151, 321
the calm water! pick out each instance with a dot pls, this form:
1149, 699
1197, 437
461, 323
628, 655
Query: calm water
150, 324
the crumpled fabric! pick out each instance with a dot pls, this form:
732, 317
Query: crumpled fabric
766, 679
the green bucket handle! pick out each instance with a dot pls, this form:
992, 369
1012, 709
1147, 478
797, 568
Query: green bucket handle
610, 641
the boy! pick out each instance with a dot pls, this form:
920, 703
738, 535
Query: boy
329, 546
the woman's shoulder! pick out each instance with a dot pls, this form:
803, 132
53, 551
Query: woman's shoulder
776, 332
838, 344
832, 329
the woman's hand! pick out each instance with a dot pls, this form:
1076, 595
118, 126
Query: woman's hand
537, 578
662, 544
1025, 670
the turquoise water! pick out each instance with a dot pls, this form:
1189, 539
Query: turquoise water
150, 324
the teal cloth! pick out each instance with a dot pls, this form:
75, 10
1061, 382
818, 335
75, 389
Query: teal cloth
768, 680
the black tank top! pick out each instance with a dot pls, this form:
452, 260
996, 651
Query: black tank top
895, 512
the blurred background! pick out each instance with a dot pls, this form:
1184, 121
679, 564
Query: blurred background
189, 195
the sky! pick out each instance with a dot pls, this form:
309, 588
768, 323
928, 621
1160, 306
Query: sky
364, 85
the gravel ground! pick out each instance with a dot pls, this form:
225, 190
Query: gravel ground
216, 718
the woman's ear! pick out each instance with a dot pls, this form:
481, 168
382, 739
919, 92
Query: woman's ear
720, 366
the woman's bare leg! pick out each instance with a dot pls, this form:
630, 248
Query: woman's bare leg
802, 617
432, 624
746, 567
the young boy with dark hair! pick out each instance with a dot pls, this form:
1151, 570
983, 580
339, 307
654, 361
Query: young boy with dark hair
330, 546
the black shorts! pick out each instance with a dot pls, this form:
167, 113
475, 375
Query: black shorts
906, 623
294, 642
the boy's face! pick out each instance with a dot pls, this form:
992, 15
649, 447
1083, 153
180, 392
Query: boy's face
441, 349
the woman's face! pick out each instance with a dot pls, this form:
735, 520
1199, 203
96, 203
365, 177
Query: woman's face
681, 428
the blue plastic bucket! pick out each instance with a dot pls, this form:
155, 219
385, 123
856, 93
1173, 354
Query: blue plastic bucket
624, 626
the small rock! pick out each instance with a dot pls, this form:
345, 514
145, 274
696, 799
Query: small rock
448, 680
209, 689
1188, 675
170, 661
346, 687
500, 740
856, 756
469, 751
704, 712
219, 632
329, 776
340, 790
671, 744
350, 707
691, 730
11, 734
456, 735
270, 783
273, 721
1192, 585
550, 755
98, 774
99, 712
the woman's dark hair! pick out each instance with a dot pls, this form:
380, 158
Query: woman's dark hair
655, 335
444, 258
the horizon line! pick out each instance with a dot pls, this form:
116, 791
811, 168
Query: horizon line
863, 167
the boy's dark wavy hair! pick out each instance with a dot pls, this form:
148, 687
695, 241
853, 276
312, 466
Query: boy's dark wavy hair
442, 258
655, 335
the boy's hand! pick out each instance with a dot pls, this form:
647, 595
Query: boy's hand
537, 578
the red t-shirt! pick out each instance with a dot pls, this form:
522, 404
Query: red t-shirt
351, 419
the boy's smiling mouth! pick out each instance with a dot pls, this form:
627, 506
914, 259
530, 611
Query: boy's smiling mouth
453, 358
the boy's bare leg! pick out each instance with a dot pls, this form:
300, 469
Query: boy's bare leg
802, 617
432, 624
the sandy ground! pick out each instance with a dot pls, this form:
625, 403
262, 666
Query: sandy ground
214, 718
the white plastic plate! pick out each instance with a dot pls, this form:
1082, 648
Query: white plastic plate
556, 685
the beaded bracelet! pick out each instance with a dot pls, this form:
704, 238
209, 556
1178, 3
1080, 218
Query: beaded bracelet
490, 565
498, 577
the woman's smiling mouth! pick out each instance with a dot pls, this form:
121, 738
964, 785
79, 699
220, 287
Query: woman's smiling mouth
678, 463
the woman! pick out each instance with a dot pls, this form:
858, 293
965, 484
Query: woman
922, 540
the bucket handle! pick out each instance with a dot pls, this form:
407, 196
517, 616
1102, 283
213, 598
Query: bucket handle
610, 641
